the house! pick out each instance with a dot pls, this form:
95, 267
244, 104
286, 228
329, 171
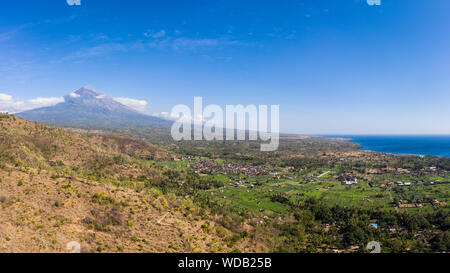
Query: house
353, 248
407, 206
350, 182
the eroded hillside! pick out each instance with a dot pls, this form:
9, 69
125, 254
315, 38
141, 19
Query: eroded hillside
58, 187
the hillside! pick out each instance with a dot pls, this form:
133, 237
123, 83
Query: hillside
31, 144
58, 186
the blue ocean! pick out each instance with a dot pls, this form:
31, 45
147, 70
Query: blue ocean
435, 145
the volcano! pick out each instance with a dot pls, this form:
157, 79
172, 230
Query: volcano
90, 109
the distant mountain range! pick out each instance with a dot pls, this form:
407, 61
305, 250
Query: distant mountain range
87, 108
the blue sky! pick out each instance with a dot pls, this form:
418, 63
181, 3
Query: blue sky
334, 67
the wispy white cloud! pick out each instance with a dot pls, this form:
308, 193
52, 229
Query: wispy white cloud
154, 40
95, 51
159, 40
196, 43
139, 105
184, 118
74, 95
155, 35
185, 43
165, 115
10, 34
12, 105
7, 36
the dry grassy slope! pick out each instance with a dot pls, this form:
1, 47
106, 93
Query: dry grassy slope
41, 212
31, 144
34, 144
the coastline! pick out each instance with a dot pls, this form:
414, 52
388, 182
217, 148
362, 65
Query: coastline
407, 145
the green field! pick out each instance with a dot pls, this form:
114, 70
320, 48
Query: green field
258, 198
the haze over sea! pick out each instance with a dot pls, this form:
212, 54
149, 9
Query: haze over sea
435, 145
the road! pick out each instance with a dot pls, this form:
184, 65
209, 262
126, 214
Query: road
325, 173
392, 199
162, 218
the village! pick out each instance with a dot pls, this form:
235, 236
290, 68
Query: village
270, 179
212, 167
